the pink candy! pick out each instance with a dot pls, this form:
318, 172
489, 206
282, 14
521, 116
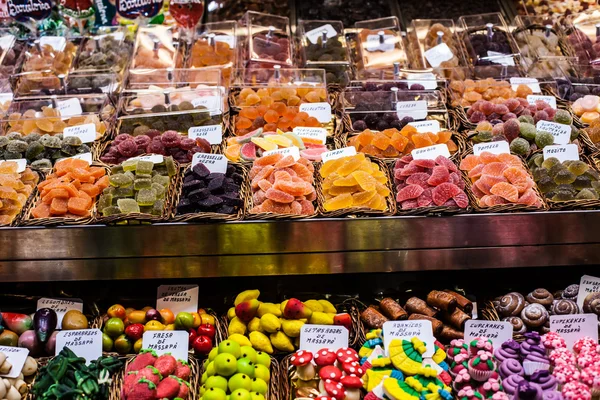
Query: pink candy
553, 340
562, 356
566, 373
576, 391
584, 343
591, 376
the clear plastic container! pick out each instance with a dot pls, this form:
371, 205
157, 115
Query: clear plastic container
179, 121
106, 51
11, 53
322, 43
380, 45
215, 46
154, 101
437, 44
50, 84
157, 47
266, 41
583, 36
347, 11
173, 78
310, 77
223, 10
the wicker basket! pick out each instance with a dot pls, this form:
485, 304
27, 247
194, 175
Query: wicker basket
138, 218
245, 194
28, 204
357, 211
502, 207
29, 220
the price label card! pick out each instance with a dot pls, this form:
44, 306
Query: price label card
438, 54
432, 126
287, 151
69, 108
339, 153
319, 134
116, 36
154, 158
416, 109
407, 330
563, 153
86, 343
21, 163
575, 326
4, 97
431, 152
374, 43
58, 43
6, 41
85, 132
499, 147
561, 133
316, 337
314, 35
551, 100
497, 331
210, 102
214, 162
587, 284
175, 343
60, 307
533, 83
427, 79
212, 133
321, 111
83, 156
16, 356
501, 58
230, 40
177, 298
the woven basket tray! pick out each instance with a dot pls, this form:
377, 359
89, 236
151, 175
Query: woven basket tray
30, 199
29, 220
502, 207
358, 211
245, 194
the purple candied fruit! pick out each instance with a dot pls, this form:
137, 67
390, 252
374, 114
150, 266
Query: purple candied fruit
359, 125
508, 116
477, 116
541, 116
142, 141
127, 148
417, 86
382, 126
121, 138
187, 144
156, 147
170, 139
406, 120
152, 133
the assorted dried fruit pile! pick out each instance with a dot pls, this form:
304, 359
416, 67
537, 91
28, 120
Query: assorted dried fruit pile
468, 92
15, 189
50, 122
503, 110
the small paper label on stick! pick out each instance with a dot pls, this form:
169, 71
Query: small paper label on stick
319, 134
85, 132
574, 327
6, 41
315, 34
427, 79
430, 152
501, 58
416, 109
431, 126
339, 153
533, 83
321, 111
86, 343
210, 102
317, 337
561, 132
230, 40
563, 153
154, 158
177, 298
212, 133
60, 307
286, 151
175, 343
407, 330
499, 147
551, 100
58, 43
21, 163
214, 162
438, 54
497, 331
587, 284
83, 156
374, 43
69, 108
16, 356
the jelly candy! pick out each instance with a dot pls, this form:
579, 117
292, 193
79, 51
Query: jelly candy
128, 206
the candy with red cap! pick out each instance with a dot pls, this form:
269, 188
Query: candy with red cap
346, 355
330, 372
335, 389
325, 357
324, 397
353, 368
351, 382
304, 367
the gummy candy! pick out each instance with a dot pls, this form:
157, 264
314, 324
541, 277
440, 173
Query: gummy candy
543, 139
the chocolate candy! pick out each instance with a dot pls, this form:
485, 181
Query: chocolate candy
373, 318
392, 309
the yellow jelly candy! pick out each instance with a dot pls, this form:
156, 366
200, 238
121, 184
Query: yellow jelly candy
338, 202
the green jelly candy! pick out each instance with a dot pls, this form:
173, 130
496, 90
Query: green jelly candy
578, 167
123, 192
582, 182
596, 186
575, 132
146, 176
563, 195
563, 117
162, 180
146, 197
105, 201
117, 169
142, 183
593, 174
120, 180
159, 190
128, 206
543, 139
33, 150
538, 173
130, 165
519, 146
111, 210
550, 162
159, 170
546, 184
144, 167
565, 176
587, 194
146, 209
158, 207
42, 164
555, 169
528, 131
483, 136
528, 119
170, 164
72, 141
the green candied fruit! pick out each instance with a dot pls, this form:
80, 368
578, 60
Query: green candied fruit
546, 184
158, 207
42, 164
159, 170
185, 106
159, 189
129, 165
483, 136
146, 197
117, 169
543, 139
527, 130
54, 142
535, 160
105, 201
575, 132
84, 148
3, 141
15, 136
144, 167
593, 174
550, 162
171, 167
72, 141
143, 176
142, 183
32, 137
563, 117
563, 195
596, 186
162, 180
123, 192
519, 146
587, 194
10, 155
69, 150
146, 209
555, 169
17, 146
110, 210
538, 173
578, 167
582, 182
120, 180
528, 119
564, 176
33, 150
128, 206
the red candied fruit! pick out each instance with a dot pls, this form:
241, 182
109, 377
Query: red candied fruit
170, 139
127, 148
